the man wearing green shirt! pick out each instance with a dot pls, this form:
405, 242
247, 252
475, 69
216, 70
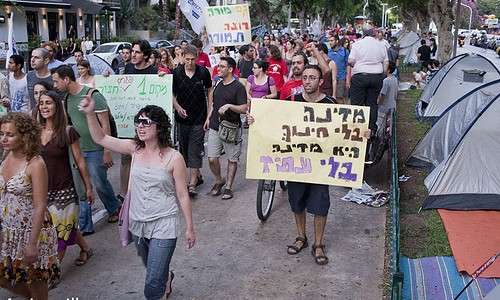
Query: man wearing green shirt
97, 158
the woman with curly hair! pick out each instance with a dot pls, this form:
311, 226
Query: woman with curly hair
277, 67
157, 185
28, 259
62, 199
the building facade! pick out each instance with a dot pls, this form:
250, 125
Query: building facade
57, 19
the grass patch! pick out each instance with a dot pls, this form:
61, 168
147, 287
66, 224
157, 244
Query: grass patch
422, 234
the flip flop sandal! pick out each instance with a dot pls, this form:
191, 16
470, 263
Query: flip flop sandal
80, 261
295, 248
227, 195
199, 181
319, 259
217, 189
113, 218
171, 277
192, 190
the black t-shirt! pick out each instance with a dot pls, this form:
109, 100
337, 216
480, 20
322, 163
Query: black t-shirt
233, 93
300, 98
190, 94
245, 67
425, 52
130, 69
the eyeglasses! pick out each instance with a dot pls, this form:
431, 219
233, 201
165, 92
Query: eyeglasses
144, 122
309, 78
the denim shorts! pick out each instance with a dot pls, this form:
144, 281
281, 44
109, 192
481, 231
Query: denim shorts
314, 197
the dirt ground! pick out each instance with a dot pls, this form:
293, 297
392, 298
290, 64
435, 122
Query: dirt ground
414, 232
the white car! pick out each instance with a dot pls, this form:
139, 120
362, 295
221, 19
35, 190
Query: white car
110, 52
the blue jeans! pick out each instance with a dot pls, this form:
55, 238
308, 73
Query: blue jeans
99, 178
156, 255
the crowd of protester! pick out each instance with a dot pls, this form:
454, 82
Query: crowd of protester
48, 124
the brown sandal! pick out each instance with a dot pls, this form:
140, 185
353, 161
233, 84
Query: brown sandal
84, 257
113, 218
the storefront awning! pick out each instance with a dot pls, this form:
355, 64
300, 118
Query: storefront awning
39, 3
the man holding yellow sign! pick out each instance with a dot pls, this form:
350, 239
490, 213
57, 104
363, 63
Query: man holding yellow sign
305, 190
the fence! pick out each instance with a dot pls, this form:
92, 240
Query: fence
396, 277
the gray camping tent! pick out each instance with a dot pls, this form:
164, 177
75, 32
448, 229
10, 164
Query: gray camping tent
467, 179
446, 132
456, 78
408, 43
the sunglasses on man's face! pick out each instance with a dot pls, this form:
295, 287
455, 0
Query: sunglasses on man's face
144, 122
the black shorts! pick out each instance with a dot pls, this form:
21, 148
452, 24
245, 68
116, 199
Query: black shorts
316, 197
191, 139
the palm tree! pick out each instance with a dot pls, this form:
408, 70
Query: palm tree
127, 10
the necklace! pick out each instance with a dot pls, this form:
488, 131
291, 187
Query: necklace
48, 131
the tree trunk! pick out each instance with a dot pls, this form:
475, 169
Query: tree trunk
266, 13
441, 12
408, 19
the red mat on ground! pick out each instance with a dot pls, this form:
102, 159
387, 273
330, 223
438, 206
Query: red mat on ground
474, 238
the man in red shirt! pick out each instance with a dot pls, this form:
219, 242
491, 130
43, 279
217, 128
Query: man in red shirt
299, 62
294, 86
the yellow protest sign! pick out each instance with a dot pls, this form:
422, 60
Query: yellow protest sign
127, 94
307, 142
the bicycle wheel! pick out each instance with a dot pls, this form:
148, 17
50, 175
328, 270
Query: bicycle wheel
265, 197
284, 185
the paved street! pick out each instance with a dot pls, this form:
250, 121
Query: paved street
236, 256
490, 54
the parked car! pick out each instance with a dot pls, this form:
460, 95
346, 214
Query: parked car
157, 44
110, 52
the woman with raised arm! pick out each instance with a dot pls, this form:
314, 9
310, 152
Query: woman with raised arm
28, 259
157, 185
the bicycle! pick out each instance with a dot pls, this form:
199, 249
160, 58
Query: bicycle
265, 197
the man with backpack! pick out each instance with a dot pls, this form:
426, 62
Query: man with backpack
97, 158
189, 84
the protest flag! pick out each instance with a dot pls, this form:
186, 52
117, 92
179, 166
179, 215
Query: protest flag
193, 10
12, 41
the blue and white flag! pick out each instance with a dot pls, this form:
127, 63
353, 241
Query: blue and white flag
12, 41
193, 10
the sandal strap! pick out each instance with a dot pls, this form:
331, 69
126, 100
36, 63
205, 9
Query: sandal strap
314, 247
301, 239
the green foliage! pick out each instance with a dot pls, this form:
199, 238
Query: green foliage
147, 18
34, 41
488, 7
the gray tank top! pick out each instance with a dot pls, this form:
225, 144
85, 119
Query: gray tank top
153, 204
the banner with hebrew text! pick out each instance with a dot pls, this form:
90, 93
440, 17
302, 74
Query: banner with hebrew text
307, 142
228, 25
127, 94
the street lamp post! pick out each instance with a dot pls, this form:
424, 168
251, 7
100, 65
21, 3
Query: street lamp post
470, 17
383, 13
387, 12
